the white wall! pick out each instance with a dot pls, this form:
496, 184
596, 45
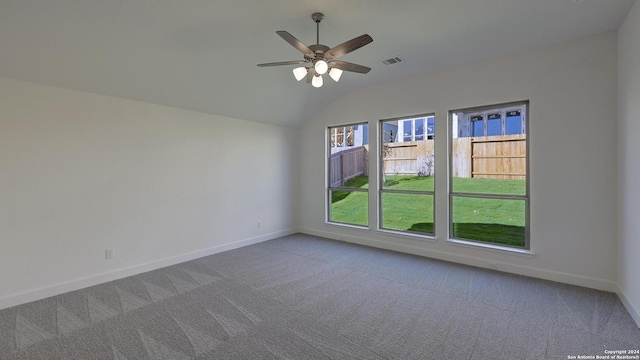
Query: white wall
81, 173
571, 88
628, 161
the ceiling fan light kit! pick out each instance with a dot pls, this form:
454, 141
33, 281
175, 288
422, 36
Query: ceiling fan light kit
321, 57
300, 73
335, 74
317, 81
321, 67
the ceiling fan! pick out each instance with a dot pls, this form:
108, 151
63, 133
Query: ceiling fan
322, 57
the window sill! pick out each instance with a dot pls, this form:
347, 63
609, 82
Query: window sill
410, 235
491, 247
350, 226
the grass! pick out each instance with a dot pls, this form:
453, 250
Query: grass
490, 220
489, 186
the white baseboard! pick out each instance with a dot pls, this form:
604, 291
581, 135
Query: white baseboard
557, 276
80, 283
635, 314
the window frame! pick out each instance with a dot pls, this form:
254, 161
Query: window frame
380, 180
524, 107
328, 188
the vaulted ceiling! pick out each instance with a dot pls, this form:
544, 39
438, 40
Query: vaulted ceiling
201, 55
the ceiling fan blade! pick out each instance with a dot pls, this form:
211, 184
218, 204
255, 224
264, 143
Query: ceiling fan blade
347, 66
293, 62
347, 47
304, 49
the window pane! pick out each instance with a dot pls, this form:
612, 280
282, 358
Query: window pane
407, 130
389, 132
512, 125
497, 221
407, 212
494, 125
478, 129
348, 170
350, 135
419, 127
484, 169
349, 207
407, 166
340, 136
430, 125
348, 166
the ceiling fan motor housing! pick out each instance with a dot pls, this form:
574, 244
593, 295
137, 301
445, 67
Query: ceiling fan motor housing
319, 49
317, 17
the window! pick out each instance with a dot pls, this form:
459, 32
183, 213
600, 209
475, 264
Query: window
494, 125
418, 129
337, 137
430, 127
407, 175
347, 172
513, 123
493, 122
478, 125
489, 192
407, 128
343, 136
414, 129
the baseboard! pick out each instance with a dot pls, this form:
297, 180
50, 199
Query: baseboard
557, 276
80, 283
635, 314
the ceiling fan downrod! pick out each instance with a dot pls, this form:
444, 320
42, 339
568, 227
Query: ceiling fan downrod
317, 17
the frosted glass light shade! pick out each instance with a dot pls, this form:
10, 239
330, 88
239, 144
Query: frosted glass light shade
300, 72
317, 81
335, 74
321, 67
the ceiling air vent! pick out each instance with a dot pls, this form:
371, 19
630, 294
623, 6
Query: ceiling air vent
392, 61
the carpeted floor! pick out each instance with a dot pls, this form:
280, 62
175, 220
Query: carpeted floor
303, 297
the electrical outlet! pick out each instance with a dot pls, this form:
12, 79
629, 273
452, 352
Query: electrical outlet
108, 254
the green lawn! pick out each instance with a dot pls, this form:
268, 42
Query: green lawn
491, 220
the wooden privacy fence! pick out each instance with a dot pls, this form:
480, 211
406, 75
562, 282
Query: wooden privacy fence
347, 164
409, 158
493, 157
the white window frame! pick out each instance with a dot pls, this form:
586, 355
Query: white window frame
382, 190
523, 106
330, 149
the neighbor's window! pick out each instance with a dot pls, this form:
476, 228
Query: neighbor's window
407, 174
348, 176
489, 197
342, 136
491, 123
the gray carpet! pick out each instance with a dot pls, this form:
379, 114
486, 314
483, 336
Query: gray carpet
303, 297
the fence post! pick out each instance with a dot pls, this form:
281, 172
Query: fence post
342, 168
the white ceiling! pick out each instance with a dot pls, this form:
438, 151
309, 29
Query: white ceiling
201, 54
